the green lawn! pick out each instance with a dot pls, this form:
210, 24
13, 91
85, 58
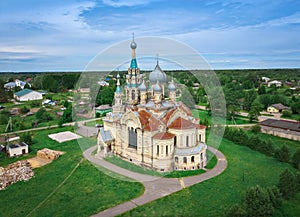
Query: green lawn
214, 196
86, 192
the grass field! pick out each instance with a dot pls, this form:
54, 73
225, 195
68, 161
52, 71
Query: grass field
52, 193
214, 196
203, 114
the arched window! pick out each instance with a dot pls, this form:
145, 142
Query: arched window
185, 160
200, 139
167, 150
176, 159
192, 159
201, 156
157, 150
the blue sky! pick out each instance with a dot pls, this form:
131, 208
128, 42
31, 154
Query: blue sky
65, 35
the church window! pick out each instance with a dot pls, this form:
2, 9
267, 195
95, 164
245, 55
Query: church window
132, 135
200, 138
201, 156
184, 160
167, 150
187, 141
176, 159
192, 159
157, 150
175, 141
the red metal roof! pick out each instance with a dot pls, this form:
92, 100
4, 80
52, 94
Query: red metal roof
181, 123
163, 136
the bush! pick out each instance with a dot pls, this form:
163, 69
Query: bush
27, 138
296, 159
286, 114
287, 184
24, 110
282, 154
255, 129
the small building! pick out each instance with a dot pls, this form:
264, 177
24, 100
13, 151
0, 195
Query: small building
275, 82
49, 102
265, 79
28, 95
281, 128
103, 83
17, 149
277, 108
9, 85
103, 109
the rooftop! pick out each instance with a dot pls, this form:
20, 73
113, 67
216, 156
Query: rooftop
23, 92
282, 124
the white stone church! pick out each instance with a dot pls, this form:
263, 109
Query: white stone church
149, 129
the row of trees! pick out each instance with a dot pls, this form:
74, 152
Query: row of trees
240, 137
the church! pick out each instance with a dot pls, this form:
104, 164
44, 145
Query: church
149, 127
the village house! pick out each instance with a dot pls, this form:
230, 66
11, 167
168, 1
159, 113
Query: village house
277, 108
275, 82
28, 95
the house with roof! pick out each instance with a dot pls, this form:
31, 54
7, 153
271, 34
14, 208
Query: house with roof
150, 128
103, 109
27, 95
17, 149
277, 108
275, 82
282, 128
16, 83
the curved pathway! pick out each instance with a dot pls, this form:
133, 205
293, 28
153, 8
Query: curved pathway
155, 187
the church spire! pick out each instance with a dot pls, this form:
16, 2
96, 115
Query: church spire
133, 64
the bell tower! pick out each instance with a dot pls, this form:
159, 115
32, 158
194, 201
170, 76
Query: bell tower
133, 77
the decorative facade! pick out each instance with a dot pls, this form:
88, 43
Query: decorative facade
149, 129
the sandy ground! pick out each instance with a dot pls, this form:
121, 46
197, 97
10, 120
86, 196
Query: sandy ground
64, 136
37, 162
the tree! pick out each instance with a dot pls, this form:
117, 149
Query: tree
236, 211
254, 111
43, 115
282, 154
286, 114
287, 184
257, 202
296, 159
24, 110
250, 96
27, 138
255, 129
275, 196
261, 90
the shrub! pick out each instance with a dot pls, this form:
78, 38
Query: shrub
286, 114
255, 129
282, 154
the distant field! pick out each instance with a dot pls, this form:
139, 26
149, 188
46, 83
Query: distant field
203, 114
86, 192
214, 196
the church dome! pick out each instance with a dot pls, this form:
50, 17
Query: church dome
133, 45
157, 75
142, 87
172, 86
157, 87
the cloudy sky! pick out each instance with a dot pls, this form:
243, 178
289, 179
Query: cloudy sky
65, 35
